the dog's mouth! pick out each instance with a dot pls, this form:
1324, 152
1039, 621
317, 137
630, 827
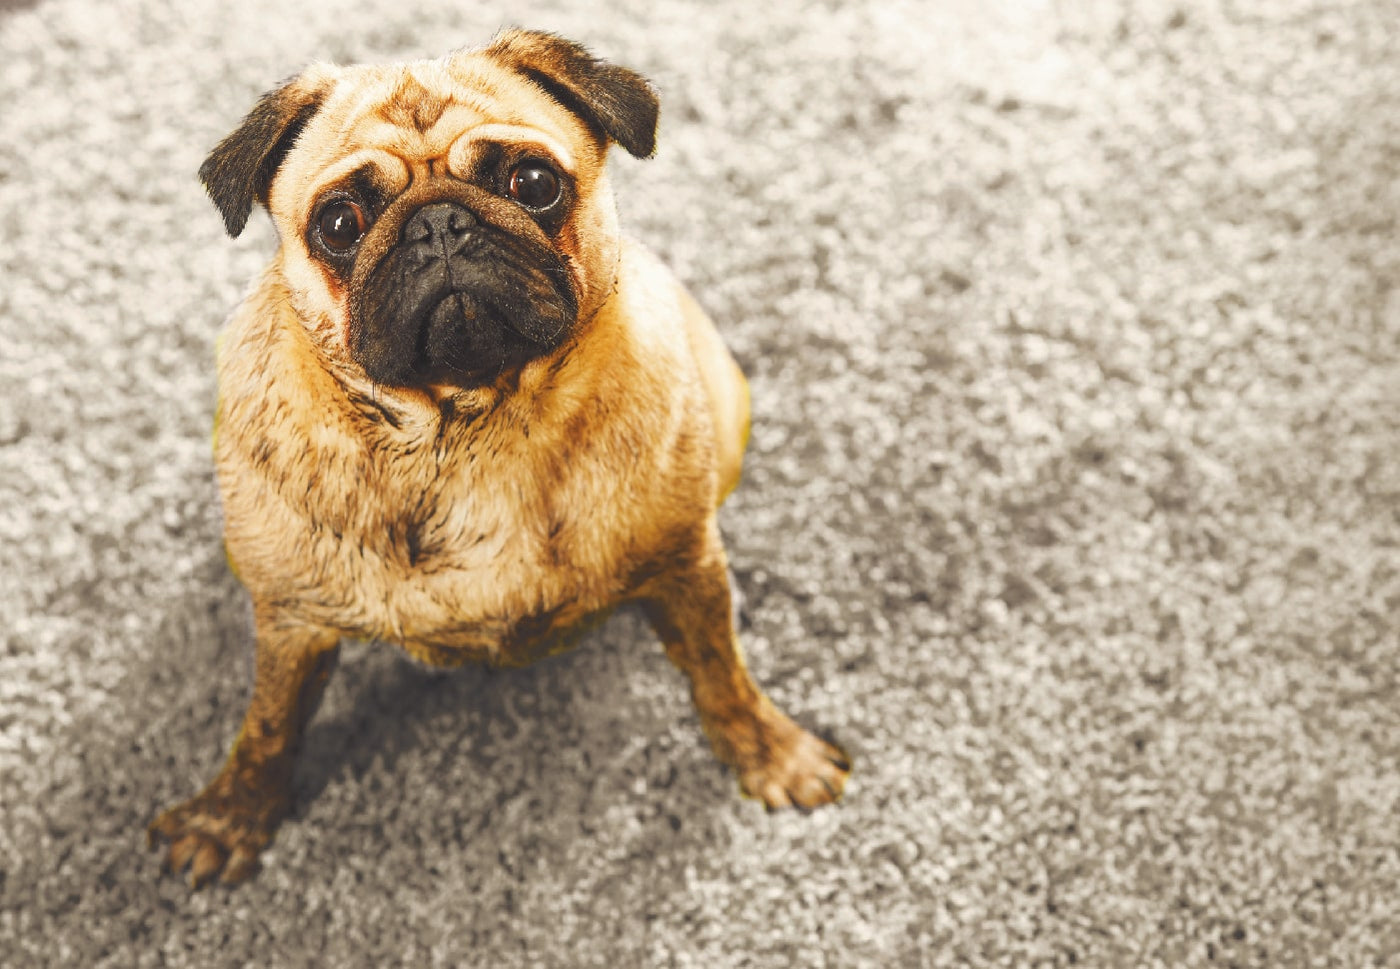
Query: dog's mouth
459, 298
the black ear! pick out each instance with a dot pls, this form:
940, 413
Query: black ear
240, 169
615, 102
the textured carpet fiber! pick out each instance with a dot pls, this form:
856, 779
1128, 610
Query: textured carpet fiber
1071, 508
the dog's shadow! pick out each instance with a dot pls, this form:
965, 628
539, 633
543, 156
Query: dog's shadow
484, 734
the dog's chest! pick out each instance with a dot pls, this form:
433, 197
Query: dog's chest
482, 540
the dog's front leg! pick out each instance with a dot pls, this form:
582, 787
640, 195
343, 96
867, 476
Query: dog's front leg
777, 761
221, 831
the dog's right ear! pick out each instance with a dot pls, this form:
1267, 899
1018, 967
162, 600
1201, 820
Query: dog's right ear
239, 171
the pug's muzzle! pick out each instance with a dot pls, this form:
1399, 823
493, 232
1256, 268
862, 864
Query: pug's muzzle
458, 297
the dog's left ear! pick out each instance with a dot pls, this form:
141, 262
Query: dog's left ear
240, 169
615, 102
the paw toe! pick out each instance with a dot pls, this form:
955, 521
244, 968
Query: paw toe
208, 861
242, 863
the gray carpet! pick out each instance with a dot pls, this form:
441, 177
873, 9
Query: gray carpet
1071, 508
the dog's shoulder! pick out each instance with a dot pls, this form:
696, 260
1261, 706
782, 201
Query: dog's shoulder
669, 323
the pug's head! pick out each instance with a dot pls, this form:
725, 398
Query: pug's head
441, 221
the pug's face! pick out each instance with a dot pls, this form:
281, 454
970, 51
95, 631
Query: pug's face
441, 221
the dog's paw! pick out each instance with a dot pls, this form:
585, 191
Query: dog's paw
793, 768
217, 834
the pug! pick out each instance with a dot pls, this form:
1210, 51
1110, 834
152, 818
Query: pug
459, 411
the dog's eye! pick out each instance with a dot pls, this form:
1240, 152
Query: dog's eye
341, 224
534, 185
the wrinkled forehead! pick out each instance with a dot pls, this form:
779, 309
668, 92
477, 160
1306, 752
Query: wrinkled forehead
447, 111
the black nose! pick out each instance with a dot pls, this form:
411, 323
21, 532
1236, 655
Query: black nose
443, 226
